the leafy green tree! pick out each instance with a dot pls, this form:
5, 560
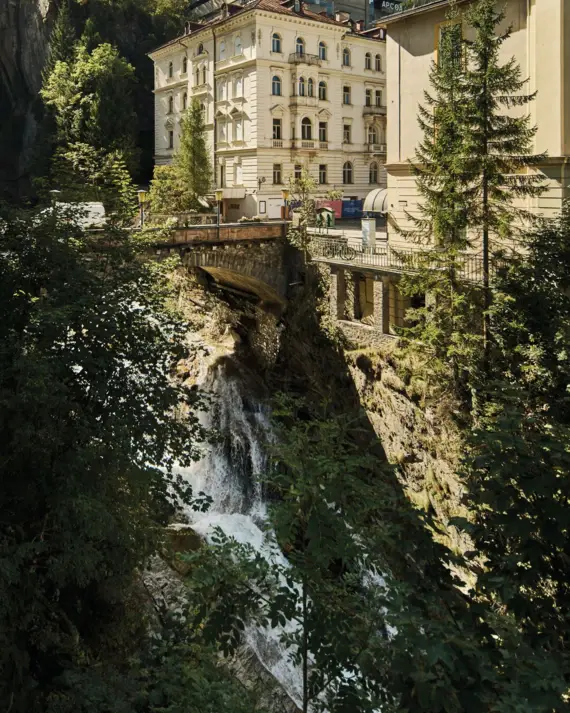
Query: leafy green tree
91, 98
301, 191
176, 188
518, 463
498, 138
367, 606
90, 434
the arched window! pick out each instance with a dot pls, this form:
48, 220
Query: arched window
184, 65
170, 70
276, 86
200, 48
310, 88
323, 90
378, 63
222, 50
184, 101
197, 76
372, 135
170, 105
301, 86
373, 173
322, 50
347, 173
204, 74
368, 61
346, 57
276, 42
306, 129
300, 46
237, 45
203, 110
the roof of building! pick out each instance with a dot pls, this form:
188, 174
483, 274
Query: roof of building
277, 6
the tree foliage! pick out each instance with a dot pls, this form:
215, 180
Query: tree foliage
91, 98
177, 187
518, 461
89, 432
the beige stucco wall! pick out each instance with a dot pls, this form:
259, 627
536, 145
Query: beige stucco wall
540, 43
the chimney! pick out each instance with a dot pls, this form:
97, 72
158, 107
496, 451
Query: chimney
359, 25
297, 6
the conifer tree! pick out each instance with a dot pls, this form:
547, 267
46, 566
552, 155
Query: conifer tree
176, 188
439, 330
62, 40
498, 141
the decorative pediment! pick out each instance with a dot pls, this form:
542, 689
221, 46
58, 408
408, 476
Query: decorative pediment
324, 114
277, 110
220, 114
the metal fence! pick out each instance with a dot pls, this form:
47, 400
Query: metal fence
388, 259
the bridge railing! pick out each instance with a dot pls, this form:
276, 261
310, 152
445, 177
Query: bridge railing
400, 260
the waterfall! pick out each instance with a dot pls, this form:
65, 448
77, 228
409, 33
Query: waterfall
227, 473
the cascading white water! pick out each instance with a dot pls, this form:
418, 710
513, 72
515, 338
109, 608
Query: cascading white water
228, 474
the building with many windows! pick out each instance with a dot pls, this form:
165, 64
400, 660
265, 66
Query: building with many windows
281, 88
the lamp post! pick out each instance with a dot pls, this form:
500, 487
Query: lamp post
285, 194
219, 198
142, 196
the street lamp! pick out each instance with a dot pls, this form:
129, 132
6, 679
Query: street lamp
285, 194
219, 198
142, 195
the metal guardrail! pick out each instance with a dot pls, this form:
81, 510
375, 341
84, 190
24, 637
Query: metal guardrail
384, 257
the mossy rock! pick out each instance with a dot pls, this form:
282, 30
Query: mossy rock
180, 540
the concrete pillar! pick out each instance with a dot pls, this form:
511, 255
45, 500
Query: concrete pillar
381, 304
337, 293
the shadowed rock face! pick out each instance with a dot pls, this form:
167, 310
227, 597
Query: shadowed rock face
25, 26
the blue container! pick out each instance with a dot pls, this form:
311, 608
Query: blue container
352, 209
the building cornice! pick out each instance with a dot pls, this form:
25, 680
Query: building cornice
414, 11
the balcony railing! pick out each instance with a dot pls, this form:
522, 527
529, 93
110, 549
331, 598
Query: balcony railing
304, 58
469, 268
277, 143
374, 111
323, 144
303, 101
297, 144
377, 148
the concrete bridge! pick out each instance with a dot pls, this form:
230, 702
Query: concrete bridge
253, 259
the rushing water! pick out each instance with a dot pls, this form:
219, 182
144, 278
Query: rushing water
228, 474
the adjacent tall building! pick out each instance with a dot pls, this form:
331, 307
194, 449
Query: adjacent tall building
540, 43
281, 87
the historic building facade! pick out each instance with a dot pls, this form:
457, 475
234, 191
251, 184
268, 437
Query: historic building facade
282, 88
540, 43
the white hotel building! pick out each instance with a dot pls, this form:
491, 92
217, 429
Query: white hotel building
281, 88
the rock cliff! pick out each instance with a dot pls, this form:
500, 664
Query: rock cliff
25, 26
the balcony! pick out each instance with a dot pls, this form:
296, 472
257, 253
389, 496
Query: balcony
384, 258
303, 101
277, 143
303, 145
323, 145
377, 148
304, 58
374, 111
200, 89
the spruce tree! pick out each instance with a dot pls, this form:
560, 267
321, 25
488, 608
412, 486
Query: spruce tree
439, 331
176, 188
62, 40
498, 141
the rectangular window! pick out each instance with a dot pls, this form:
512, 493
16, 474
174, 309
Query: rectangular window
239, 130
276, 173
298, 172
238, 90
323, 132
171, 139
322, 173
378, 97
346, 95
450, 44
369, 97
277, 128
346, 133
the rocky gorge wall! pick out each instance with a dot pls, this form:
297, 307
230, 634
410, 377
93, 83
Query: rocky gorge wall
25, 26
